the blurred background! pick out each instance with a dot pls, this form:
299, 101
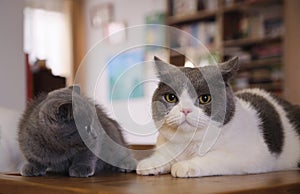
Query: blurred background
43, 43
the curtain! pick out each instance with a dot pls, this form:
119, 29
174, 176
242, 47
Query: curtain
47, 34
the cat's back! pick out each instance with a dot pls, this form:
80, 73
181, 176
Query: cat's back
110, 126
279, 119
264, 101
30, 115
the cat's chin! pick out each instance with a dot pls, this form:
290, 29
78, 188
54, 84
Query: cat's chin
187, 126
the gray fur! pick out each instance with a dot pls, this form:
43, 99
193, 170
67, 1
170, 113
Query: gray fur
271, 125
49, 138
293, 112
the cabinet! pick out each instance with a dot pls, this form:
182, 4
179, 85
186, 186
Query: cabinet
40, 79
251, 29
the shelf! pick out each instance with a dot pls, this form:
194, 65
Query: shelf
251, 41
244, 6
228, 26
260, 63
187, 18
273, 86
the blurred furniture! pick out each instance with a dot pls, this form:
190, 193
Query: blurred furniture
41, 80
45, 81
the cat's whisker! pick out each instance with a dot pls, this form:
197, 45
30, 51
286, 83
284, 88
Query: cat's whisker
172, 122
197, 121
174, 119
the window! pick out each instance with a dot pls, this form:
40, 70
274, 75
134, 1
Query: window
47, 36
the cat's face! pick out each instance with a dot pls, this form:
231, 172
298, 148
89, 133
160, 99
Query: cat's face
189, 98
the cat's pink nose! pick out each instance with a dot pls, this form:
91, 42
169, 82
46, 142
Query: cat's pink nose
185, 111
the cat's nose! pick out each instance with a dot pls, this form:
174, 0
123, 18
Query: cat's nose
185, 111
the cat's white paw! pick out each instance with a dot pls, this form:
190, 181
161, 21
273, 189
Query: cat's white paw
185, 169
151, 167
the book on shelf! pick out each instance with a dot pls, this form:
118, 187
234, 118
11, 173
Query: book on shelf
267, 51
254, 23
199, 33
209, 4
241, 2
182, 7
244, 55
187, 7
262, 75
273, 27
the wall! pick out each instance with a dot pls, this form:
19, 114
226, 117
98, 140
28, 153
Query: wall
131, 11
12, 59
133, 114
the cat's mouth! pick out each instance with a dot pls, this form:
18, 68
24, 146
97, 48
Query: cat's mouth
186, 122
194, 123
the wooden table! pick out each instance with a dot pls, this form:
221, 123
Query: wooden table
278, 182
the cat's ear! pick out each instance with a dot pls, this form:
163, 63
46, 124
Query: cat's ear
229, 68
162, 68
75, 88
65, 112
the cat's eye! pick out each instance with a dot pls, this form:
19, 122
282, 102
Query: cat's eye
171, 98
204, 99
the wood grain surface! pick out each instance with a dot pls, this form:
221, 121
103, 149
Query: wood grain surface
278, 182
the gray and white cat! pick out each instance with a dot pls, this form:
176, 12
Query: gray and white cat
50, 140
258, 132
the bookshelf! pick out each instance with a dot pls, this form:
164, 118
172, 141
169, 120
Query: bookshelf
194, 17
251, 29
251, 41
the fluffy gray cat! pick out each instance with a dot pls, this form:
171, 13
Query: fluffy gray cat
52, 130
206, 129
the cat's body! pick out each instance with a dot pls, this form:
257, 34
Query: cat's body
258, 132
50, 140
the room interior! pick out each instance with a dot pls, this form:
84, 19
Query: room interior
90, 44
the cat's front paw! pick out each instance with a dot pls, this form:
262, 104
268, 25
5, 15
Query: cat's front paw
81, 171
152, 167
33, 170
185, 169
128, 165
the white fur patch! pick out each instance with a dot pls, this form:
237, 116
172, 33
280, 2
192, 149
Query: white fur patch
290, 155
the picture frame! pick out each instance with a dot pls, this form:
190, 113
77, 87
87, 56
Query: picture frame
101, 14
